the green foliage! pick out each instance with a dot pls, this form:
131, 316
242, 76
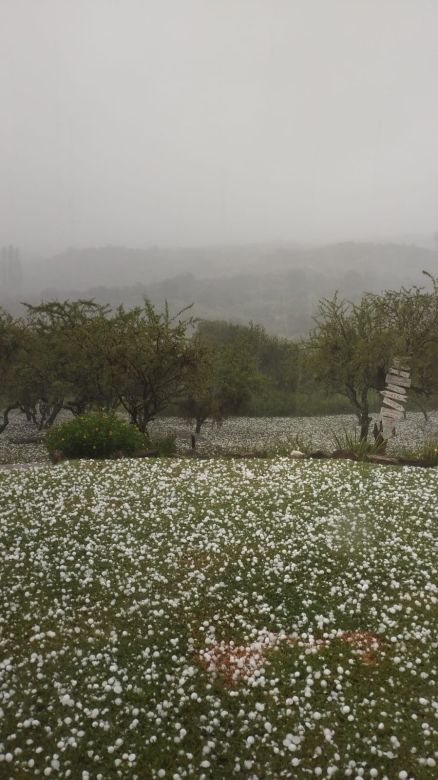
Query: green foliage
66, 365
355, 443
82, 356
350, 349
223, 381
353, 345
94, 435
280, 448
165, 445
244, 371
427, 453
152, 357
10, 358
301, 443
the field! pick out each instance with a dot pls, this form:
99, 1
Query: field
218, 619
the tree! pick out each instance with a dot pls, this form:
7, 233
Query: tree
263, 370
151, 357
351, 348
223, 381
10, 351
68, 356
411, 315
353, 345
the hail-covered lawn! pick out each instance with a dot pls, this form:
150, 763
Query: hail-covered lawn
236, 434
218, 619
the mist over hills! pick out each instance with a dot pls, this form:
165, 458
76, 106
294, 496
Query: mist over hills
277, 285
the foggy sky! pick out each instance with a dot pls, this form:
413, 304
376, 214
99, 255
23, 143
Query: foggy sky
144, 122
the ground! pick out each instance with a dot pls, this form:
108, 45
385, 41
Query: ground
237, 434
218, 619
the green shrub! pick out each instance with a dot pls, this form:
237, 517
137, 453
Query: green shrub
276, 449
165, 445
360, 447
427, 453
94, 435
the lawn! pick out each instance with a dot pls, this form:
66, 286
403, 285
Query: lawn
219, 619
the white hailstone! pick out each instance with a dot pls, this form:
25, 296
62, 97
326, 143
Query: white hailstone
268, 726
430, 761
403, 775
67, 700
161, 773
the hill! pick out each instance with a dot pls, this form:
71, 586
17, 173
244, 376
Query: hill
276, 285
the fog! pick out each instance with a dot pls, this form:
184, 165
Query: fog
216, 121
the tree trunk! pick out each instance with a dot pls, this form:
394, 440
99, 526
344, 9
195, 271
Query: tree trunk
199, 422
5, 422
364, 422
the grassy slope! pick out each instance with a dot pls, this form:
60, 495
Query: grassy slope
114, 576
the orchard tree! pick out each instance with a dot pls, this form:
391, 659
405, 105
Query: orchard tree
151, 357
353, 345
350, 350
262, 370
72, 334
63, 366
11, 340
223, 381
411, 314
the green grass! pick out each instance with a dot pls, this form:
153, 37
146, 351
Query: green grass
116, 576
351, 441
427, 452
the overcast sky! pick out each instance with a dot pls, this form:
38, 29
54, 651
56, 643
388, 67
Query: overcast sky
212, 121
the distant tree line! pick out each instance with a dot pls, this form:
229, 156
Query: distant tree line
81, 355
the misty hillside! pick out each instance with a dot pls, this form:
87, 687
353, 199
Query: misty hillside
278, 287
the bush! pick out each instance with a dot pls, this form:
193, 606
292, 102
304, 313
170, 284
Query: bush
427, 453
94, 435
361, 447
164, 445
